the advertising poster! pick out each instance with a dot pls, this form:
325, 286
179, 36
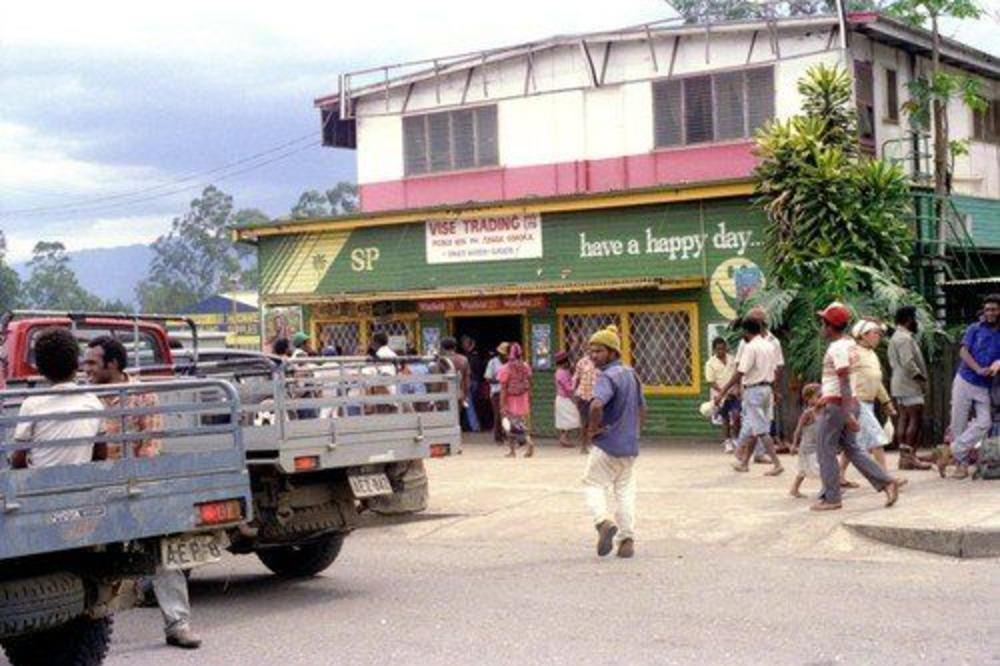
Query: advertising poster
281, 322
541, 346
431, 338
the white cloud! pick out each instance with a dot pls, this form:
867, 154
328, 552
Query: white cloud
88, 234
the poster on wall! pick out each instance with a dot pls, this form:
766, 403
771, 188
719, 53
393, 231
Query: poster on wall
431, 338
541, 346
281, 322
489, 238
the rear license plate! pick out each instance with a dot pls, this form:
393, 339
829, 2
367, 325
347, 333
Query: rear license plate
191, 550
370, 485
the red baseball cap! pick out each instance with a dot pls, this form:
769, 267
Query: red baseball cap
836, 314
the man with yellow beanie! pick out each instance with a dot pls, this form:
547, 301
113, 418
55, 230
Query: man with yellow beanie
616, 415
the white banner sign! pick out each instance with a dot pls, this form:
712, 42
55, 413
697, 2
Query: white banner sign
494, 238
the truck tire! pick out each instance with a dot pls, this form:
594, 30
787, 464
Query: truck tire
302, 561
39, 603
411, 495
82, 642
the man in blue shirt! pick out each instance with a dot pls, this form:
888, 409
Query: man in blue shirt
970, 390
616, 416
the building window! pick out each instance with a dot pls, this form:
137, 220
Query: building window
450, 140
986, 123
713, 107
891, 96
864, 96
659, 341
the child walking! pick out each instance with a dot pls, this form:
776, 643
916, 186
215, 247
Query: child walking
805, 440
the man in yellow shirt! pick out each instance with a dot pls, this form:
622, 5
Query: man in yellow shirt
719, 369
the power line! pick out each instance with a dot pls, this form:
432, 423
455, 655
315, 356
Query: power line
98, 207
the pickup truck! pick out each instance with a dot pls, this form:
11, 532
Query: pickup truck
75, 538
325, 437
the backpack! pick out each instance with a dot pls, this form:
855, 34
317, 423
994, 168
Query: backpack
988, 456
518, 378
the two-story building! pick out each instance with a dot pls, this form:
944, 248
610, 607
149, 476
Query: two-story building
541, 191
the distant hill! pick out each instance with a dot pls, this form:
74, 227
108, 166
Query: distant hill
111, 273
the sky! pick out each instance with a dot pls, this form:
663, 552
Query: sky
111, 112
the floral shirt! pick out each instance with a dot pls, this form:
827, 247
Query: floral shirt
586, 375
141, 448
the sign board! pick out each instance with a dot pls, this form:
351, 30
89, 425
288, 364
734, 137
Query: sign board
481, 304
491, 238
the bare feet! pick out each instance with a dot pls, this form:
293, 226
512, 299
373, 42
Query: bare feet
891, 493
844, 483
961, 472
796, 493
740, 467
823, 505
510, 454
775, 471
530, 452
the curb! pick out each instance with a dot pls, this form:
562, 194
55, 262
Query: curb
963, 542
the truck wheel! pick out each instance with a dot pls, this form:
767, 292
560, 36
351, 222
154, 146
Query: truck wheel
39, 602
411, 496
82, 642
302, 561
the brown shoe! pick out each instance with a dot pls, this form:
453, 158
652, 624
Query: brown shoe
184, 638
911, 462
606, 531
891, 493
626, 548
740, 467
823, 505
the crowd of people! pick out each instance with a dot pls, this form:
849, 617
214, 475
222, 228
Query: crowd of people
851, 413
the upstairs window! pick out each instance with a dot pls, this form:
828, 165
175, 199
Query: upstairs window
986, 124
725, 106
864, 95
891, 96
450, 140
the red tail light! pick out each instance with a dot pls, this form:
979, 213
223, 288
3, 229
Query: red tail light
306, 463
440, 450
216, 513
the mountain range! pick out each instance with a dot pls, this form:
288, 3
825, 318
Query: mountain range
111, 273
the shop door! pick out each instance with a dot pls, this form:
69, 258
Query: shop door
489, 331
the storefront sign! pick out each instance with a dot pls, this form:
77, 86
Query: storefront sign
473, 239
478, 304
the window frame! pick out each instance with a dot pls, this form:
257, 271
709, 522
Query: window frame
891, 97
988, 122
625, 331
424, 119
713, 93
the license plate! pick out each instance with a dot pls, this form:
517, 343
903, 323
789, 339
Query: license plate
370, 485
191, 550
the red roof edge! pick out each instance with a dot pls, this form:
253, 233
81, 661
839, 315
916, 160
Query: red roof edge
862, 17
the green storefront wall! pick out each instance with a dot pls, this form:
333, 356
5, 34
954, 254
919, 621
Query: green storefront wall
714, 243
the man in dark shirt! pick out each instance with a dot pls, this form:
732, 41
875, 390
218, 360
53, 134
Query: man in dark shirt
449, 349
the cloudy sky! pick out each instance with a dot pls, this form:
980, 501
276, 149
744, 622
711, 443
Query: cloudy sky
111, 112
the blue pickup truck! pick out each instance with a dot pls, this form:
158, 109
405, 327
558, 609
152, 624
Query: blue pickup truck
75, 538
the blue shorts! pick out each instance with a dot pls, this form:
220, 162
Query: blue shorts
730, 405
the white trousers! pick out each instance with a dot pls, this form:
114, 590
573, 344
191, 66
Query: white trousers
607, 475
171, 590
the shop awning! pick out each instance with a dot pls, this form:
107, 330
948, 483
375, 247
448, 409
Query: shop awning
562, 287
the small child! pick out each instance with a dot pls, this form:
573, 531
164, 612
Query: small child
805, 440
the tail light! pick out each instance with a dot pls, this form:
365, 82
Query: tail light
306, 463
216, 513
440, 450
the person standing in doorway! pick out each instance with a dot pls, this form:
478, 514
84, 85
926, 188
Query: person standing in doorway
907, 386
755, 374
449, 349
584, 377
515, 402
104, 364
477, 368
838, 416
492, 375
617, 413
970, 390
566, 413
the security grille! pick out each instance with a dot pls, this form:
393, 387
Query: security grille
392, 327
661, 347
577, 329
344, 335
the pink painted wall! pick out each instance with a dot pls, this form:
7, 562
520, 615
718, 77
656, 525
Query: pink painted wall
664, 167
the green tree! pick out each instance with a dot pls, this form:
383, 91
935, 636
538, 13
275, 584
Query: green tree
710, 11
836, 227
929, 97
341, 199
52, 284
198, 257
10, 283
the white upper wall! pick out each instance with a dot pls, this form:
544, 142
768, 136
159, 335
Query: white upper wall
564, 118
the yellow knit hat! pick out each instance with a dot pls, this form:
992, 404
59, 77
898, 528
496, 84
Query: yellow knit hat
608, 337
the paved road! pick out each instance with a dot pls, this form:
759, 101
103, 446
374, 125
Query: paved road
729, 570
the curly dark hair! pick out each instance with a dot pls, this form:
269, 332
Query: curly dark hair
57, 354
113, 350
